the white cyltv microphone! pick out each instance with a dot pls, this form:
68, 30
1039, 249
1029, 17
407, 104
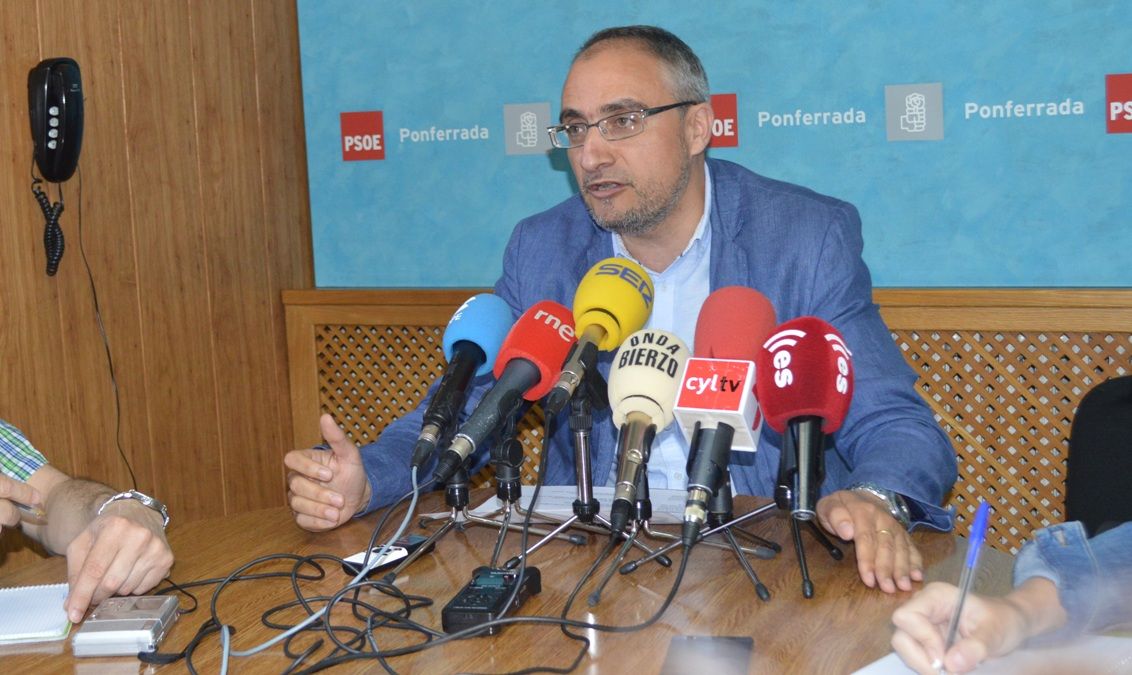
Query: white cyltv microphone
716, 408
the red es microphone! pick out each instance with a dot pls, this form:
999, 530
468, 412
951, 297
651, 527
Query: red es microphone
528, 363
642, 389
716, 406
805, 385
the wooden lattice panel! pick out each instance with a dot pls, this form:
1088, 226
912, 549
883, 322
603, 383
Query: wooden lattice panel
369, 376
1007, 401
1003, 369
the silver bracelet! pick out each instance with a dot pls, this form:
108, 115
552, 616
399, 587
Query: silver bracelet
146, 500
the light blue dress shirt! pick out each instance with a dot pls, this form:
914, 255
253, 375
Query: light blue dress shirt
680, 291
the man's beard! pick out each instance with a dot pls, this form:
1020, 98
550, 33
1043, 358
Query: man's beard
653, 208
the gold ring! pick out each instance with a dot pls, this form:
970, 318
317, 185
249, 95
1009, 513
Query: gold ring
883, 532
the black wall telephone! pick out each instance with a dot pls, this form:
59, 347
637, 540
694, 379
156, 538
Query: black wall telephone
55, 102
55, 105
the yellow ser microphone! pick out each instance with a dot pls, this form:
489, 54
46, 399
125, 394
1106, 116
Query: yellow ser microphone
613, 299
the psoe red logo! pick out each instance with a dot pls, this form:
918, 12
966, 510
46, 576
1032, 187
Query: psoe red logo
1119, 97
363, 135
725, 128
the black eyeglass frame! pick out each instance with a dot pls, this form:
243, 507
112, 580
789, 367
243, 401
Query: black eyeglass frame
601, 124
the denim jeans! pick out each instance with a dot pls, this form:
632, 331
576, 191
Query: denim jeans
1093, 576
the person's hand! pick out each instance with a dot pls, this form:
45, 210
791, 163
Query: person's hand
988, 627
326, 487
886, 556
11, 491
123, 551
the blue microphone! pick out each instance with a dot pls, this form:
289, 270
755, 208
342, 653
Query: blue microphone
471, 343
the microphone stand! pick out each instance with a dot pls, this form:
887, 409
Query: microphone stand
720, 519
642, 512
509, 454
718, 512
782, 498
508, 459
707, 467
586, 508
797, 488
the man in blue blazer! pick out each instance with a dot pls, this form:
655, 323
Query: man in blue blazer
636, 122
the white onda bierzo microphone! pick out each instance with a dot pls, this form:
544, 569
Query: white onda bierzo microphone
642, 392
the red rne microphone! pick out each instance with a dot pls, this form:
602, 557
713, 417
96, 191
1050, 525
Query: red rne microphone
718, 384
542, 337
804, 388
530, 360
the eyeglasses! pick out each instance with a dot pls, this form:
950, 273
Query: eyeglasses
616, 127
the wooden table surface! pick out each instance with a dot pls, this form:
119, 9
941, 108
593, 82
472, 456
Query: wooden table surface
844, 627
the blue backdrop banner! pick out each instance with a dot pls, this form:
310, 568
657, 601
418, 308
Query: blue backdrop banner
985, 144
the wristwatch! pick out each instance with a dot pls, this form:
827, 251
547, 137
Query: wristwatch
146, 500
893, 501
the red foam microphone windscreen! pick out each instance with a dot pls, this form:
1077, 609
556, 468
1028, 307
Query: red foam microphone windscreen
804, 368
733, 323
543, 335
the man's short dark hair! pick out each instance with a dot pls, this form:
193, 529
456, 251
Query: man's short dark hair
689, 80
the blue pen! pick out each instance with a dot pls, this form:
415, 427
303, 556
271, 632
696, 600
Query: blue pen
967, 576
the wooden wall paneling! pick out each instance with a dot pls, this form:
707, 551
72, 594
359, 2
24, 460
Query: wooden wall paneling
30, 342
303, 380
167, 204
32, 347
238, 280
195, 217
17, 219
284, 210
89, 32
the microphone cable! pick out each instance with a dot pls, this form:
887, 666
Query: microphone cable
520, 571
361, 575
214, 625
355, 642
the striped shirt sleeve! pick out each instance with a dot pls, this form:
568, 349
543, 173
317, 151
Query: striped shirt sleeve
18, 457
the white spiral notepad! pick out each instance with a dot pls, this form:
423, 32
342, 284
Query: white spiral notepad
33, 614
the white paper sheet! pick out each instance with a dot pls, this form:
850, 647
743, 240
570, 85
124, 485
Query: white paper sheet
1090, 654
33, 613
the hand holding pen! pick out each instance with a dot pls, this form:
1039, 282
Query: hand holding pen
19, 502
927, 626
32, 514
974, 546
950, 627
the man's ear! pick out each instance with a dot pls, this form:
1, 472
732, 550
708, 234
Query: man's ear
697, 127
